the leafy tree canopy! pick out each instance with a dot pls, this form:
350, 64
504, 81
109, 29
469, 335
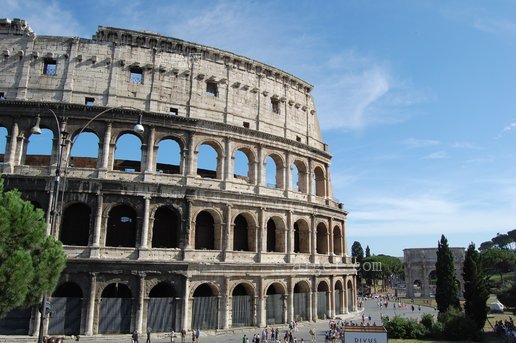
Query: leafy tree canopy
30, 261
446, 285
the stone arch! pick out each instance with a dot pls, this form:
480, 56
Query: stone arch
128, 144
323, 299
350, 296
84, 152
244, 169
339, 292
169, 152
66, 303
242, 304
301, 237
275, 235
75, 225
244, 232
322, 238
217, 151
275, 303
166, 228
301, 301
205, 307
39, 148
162, 308
337, 241
207, 233
417, 288
121, 228
299, 176
274, 171
115, 309
319, 181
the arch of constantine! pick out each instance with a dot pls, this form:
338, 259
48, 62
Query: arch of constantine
219, 214
419, 264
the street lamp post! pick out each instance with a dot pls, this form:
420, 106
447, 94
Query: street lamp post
56, 191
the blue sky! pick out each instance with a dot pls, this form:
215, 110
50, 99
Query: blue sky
416, 99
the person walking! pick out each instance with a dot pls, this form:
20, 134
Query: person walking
148, 335
134, 337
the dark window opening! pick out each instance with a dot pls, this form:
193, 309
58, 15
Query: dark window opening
75, 228
204, 231
121, 230
174, 111
246, 124
2, 96
89, 101
165, 233
271, 236
275, 106
136, 76
50, 67
212, 89
240, 234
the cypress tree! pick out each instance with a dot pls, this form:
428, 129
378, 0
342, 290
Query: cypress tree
476, 291
446, 286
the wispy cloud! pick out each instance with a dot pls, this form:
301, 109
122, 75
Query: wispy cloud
420, 143
437, 155
465, 145
496, 26
510, 127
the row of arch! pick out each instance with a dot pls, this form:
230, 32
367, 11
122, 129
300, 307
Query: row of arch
169, 155
166, 230
162, 309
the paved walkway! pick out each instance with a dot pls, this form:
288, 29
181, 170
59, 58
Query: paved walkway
370, 308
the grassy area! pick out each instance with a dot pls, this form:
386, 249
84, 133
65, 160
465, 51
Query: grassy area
420, 301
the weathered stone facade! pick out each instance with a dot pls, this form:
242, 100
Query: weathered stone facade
420, 275
206, 248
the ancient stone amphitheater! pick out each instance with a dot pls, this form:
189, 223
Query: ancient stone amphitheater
216, 212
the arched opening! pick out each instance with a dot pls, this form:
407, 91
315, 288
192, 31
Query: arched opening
75, 227
85, 151
115, 309
338, 297
39, 148
275, 304
351, 296
322, 300
162, 308
301, 301
319, 182
432, 282
121, 228
417, 288
243, 234
128, 153
205, 231
242, 305
66, 303
165, 230
322, 239
204, 307
208, 162
243, 165
299, 177
168, 159
275, 235
4, 136
337, 241
301, 237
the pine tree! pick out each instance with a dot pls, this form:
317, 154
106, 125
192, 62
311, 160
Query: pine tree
476, 291
30, 261
367, 251
446, 286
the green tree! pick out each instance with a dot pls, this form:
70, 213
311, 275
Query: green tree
357, 251
476, 290
30, 261
486, 245
367, 251
446, 285
503, 241
498, 261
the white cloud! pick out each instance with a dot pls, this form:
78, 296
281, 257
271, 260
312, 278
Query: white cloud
420, 143
496, 26
437, 155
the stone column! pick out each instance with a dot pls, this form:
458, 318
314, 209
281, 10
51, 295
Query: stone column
150, 162
225, 309
21, 148
227, 234
144, 244
313, 237
312, 314
105, 154
229, 162
188, 158
290, 299
11, 150
97, 226
186, 317
287, 174
310, 177
290, 236
262, 300
90, 309
141, 300
262, 233
259, 170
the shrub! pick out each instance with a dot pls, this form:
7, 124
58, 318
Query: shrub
399, 327
427, 320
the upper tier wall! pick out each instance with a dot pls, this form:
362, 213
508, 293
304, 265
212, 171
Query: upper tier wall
157, 74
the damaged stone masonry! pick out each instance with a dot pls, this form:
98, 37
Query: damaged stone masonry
165, 246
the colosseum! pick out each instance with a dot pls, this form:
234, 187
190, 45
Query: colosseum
214, 211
